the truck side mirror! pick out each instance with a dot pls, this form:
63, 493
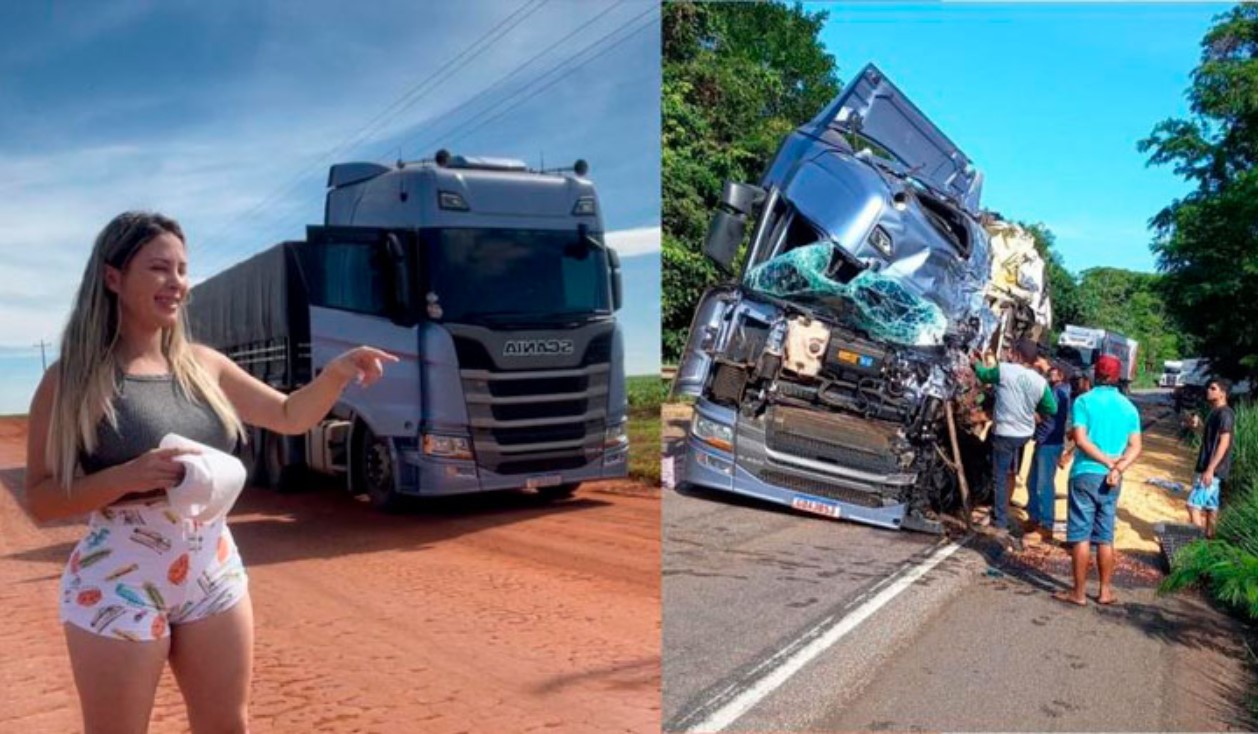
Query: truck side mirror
397, 281
618, 292
729, 224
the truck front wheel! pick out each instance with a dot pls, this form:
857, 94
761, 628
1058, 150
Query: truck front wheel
282, 472
373, 471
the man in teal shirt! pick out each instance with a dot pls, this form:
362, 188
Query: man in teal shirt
1107, 435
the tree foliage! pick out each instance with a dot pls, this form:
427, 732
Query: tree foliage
1207, 242
1132, 304
1062, 286
737, 78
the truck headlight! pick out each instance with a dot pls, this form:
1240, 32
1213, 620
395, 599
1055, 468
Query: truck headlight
584, 207
717, 435
448, 447
616, 436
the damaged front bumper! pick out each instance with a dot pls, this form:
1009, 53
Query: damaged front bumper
754, 468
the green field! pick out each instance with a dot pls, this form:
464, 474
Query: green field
646, 394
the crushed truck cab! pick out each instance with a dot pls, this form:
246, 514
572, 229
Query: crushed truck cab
822, 370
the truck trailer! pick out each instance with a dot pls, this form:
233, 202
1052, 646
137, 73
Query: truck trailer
492, 284
1081, 346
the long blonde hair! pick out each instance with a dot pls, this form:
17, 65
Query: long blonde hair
87, 383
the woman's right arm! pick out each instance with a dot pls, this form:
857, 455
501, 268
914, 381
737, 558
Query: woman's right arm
47, 500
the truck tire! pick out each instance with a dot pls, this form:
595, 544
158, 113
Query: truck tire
558, 492
373, 471
255, 468
281, 475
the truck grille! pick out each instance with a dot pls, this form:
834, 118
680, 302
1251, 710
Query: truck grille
848, 441
821, 489
536, 420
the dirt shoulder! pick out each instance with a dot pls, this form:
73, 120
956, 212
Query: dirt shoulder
496, 613
1141, 506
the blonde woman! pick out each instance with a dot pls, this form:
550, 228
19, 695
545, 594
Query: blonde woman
146, 585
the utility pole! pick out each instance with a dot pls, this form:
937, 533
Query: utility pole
43, 356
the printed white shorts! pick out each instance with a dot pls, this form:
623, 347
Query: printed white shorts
143, 567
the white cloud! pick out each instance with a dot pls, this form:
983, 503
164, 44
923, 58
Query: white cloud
638, 241
259, 130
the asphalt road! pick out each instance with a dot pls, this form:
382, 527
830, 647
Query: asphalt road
969, 645
743, 580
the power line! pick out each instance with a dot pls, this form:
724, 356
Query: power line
566, 74
406, 100
529, 90
519, 69
291, 207
502, 81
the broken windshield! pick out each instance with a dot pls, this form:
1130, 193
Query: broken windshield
878, 304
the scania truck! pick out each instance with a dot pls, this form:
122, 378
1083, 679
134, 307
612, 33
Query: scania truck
489, 280
826, 370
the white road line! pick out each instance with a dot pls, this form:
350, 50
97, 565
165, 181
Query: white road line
825, 635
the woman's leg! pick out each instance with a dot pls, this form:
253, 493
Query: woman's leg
213, 662
117, 680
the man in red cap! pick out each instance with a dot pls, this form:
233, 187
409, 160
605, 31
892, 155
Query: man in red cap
1107, 435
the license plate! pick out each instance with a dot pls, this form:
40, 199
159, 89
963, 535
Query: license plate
816, 507
548, 481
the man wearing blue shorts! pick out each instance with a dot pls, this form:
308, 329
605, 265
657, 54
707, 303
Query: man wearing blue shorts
1107, 436
1214, 460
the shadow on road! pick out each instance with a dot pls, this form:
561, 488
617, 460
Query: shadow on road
1201, 633
325, 522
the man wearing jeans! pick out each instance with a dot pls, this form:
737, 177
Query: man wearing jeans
1050, 436
1020, 393
1107, 436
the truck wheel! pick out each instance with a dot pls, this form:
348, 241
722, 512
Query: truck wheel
281, 476
559, 492
251, 457
373, 471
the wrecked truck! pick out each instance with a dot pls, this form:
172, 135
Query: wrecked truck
826, 372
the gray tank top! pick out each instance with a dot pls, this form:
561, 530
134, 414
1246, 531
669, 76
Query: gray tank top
149, 407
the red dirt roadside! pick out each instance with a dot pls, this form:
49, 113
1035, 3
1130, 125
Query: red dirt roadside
491, 614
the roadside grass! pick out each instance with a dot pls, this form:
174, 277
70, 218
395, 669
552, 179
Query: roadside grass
646, 395
1227, 567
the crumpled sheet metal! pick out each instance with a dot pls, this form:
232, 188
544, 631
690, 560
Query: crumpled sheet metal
1018, 272
881, 305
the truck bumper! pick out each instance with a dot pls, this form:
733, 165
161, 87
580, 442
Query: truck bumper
429, 477
706, 466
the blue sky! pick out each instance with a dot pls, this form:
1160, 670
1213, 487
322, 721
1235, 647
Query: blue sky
1049, 101
206, 111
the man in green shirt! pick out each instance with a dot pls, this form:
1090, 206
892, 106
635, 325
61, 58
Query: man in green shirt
1021, 392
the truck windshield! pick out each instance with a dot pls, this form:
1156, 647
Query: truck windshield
500, 276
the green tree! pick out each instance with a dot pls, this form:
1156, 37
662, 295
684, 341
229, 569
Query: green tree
1207, 242
736, 79
1131, 304
1062, 286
